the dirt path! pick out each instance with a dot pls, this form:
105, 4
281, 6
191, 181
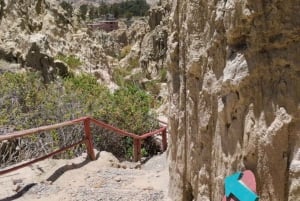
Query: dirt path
79, 180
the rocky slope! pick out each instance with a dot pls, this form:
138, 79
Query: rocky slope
141, 48
33, 33
234, 97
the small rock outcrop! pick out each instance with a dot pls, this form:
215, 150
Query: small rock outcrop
154, 44
234, 97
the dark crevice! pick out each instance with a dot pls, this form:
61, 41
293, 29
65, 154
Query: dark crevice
188, 193
228, 125
238, 95
238, 44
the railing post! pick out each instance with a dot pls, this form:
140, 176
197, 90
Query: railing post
137, 149
88, 139
164, 139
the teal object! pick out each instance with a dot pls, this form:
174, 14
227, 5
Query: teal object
233, 186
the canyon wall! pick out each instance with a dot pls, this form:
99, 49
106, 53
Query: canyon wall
234, 83
34, 33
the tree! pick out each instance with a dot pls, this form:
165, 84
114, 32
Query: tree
128, 15
83, 11
2, 5
115, 10
67, 7
93, 13
103, 9
126, 9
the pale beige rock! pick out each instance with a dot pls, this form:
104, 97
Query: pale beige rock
33, 33
234, 97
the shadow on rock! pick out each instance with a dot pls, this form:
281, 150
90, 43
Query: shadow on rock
20, 193
60, 171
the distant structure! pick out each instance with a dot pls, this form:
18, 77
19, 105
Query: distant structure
107, 23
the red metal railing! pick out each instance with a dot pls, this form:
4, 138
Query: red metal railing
137, 139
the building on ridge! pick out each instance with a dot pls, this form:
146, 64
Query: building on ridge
107, 23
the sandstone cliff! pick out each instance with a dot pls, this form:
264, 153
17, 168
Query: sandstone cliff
146, 40
33, 34
234, 97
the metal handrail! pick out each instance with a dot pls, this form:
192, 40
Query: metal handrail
31, 131
137, 139
110, 127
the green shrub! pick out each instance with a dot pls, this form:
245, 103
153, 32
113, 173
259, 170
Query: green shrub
26, 102
67, 7
83, 10
125, 9
130, 110
119, 74
153, 87
124, 51
163, 75
72, 61
137, 77
133, 63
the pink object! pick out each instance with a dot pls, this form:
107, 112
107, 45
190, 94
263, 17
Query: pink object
248, 179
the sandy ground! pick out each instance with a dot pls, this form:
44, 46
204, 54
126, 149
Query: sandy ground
80, 179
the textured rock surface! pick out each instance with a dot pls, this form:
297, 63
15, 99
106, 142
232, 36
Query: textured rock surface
234, 71
146, 59
33, 33
81, 180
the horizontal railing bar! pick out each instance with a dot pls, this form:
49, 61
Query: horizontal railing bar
23, 133
142, 137
41, 158
117, 130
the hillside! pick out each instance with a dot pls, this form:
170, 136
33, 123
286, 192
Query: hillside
41, 35
34, 35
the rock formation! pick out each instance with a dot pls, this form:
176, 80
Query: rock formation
234, 71
33, 33
154, 43
147, 39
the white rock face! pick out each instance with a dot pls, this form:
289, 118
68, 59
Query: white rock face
234, 97
34, 32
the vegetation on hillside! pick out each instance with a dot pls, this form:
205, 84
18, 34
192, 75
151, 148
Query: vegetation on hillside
27, 103
125, 9
71, 60
67, 7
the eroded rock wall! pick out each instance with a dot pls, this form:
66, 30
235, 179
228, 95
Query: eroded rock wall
34, 33
234, 69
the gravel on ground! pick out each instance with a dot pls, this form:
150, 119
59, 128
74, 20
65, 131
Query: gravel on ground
105, 179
